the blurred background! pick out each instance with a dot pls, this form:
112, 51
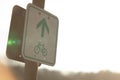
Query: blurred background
89, 34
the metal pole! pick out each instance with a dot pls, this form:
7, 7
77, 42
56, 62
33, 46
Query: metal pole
30, 70
39, 3
32, 67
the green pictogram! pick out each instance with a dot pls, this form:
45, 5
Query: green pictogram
44, 26
40, 49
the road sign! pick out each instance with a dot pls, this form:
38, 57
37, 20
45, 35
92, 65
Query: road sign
14, 44
40, 36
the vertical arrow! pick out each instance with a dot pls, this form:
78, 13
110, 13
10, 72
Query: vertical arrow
44, 26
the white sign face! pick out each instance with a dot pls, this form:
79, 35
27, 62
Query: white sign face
40, 36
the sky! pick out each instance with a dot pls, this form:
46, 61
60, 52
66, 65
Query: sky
89, 33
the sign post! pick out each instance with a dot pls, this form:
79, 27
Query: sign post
33, 37
39, 3
31, 68
30, 71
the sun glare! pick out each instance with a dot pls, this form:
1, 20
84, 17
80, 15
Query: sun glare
89, 34
5, 73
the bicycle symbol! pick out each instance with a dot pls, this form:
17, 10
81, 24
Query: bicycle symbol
40, 49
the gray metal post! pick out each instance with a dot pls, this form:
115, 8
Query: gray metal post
39, 3
31, 68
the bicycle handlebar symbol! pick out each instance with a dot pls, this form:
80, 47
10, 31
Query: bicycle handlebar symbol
40, 49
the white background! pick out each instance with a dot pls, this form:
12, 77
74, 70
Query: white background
89, 33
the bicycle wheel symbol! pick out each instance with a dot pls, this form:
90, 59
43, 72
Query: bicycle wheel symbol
36, 49
40, 49
44, 52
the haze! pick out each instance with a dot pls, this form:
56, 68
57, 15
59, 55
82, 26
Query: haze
89, 33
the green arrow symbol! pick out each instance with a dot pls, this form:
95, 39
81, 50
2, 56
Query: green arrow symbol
44, 26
